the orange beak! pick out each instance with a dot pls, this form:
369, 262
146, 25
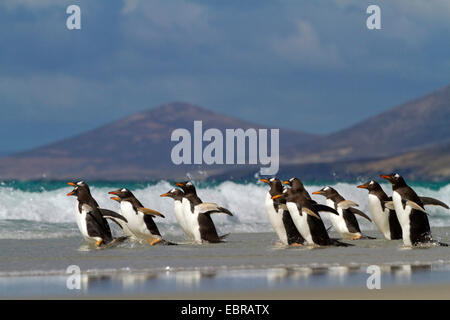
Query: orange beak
178, 184
318, 192
71, 184
115, 198
164, 195
277, 196
286, 182
264, 180
70, 193
112, 192
363, 186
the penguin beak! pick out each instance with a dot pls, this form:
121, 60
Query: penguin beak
115, 198
277, 196
318, 192
363, 186
71, 193
71, 184
112, 192
164, 195
387, 177
286, 182
264, 180
179, 184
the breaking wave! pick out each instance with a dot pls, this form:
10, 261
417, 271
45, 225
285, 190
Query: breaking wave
36, 213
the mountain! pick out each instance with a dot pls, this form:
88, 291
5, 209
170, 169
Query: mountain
421, 123
136, 148
413, 139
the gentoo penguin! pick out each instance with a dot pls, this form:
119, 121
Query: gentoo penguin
279, 216
305, 214
411, 212
345, 223
92, 224
382, 214
140, 219
177, 196
198, 214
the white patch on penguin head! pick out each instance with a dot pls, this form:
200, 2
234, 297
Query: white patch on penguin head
326, 188
291, 179
173, 190
272, 179
397, 175
189, 184
81, 183
371, 182
123, 190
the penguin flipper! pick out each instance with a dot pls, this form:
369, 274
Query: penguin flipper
310, 212
210, 207
321, 207
428, 201
389, 205
416, 206
109, 214
345, 204
150, 212
359, 212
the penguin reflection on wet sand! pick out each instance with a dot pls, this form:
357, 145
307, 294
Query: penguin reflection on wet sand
381, 211
140, 219
91, 219
411, 212
198, 214
279, 216
305, 214
345, 223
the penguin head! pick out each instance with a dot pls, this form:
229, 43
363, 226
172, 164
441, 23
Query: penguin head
275, 185
174, 193
82, 194
295, 183
121, 194
395, 179
271, 181
370, 186
186, 186
80, 184
327, 192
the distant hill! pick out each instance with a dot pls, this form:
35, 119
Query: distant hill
413, 138
137, 147
417, 124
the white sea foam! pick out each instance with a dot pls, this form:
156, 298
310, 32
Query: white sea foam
39, 210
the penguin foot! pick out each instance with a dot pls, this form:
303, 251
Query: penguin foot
155, 241
99, 243
357, 237
295, 244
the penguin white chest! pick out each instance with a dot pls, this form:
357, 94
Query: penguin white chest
300, 221
276, 219
402, 216
81, 220
338, 221
379, 217
180, 216
136, 222
191, 219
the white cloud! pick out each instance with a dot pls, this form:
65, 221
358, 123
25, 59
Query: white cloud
305, 47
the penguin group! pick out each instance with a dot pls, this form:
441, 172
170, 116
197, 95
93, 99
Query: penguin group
295, 217
291, 211
137, 222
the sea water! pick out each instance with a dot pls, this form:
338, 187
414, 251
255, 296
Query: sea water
39, 239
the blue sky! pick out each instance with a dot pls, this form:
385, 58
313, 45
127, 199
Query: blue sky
306, 65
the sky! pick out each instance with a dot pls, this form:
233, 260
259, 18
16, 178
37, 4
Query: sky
307, 65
